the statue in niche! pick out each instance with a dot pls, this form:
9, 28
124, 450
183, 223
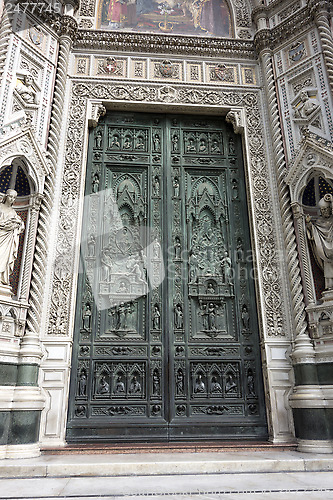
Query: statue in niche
250, 382
178, 248
306, 106
156, 186
86, 316
211, 316
107, 263
156, 382
193, 267
156, 249
11, 226
199, 385
135, 386
157, 143
95, 183
190, 148
215, 386
139, 143
25, 89
122, 316
180, 382
234, 187
230, 384
122, 288
210, 289
245, 317
103, 386
115, 143
320, 234
175, 141
226, 265
127, 143
120, 387
215, 146
202, 146
239, 250
178, 317
176, 187
98, 139
156, 318
83, 384
91, 246
232, 150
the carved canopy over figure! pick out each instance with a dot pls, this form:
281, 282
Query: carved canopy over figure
320, 234
11, 225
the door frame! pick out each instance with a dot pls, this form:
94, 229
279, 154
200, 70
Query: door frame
88, 101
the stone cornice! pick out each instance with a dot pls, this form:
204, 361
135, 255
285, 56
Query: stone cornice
271, 38
164, 44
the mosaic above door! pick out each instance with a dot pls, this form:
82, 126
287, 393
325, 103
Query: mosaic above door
202, 17
166, 342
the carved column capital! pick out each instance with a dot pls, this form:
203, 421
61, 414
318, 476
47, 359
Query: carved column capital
66, 26
318, 7
263, 40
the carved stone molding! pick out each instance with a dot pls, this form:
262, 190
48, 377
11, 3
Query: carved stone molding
164, 44
269, 272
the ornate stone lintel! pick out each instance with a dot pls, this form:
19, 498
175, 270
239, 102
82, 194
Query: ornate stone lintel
95, 112
237, 120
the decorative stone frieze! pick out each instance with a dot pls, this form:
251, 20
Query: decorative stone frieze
163, 44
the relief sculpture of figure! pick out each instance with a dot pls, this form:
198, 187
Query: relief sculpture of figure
179, 317
320, 234
11, 225
306, 107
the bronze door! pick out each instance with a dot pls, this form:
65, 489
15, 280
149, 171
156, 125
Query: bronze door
166, 342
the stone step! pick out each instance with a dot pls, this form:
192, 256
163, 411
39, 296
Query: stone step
144, 464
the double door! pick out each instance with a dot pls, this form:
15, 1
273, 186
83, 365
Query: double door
166, 342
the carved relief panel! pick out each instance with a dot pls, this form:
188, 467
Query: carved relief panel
166, 326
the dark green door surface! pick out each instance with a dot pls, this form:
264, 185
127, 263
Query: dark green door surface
166, 343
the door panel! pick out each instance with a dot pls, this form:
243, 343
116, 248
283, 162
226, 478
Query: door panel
166, 335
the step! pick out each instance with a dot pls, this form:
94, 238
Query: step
144, 464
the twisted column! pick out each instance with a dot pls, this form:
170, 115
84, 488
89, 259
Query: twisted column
320, 12
297, 296
37, 290
5, 32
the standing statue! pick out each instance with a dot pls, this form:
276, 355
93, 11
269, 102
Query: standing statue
11, 225
320, 234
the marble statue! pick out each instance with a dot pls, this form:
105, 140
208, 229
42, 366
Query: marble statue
320, 234
11, 225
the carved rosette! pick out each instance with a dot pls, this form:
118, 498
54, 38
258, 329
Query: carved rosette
268, 265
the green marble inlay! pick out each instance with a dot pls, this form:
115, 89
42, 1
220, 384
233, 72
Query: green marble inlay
24, 427
27, 375
313, 423
13, 374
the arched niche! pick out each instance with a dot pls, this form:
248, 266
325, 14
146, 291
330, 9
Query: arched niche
309, 178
